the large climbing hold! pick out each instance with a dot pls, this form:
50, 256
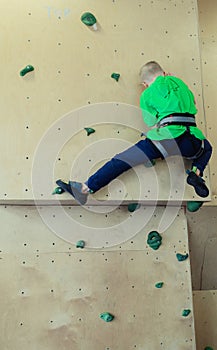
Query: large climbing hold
106, 316
89, 20
154, 240
26, 70
208, 348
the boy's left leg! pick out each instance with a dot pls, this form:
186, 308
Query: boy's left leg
202, 161
190, 146
195, 177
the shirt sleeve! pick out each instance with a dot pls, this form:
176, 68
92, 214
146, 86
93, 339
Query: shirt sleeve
149, 114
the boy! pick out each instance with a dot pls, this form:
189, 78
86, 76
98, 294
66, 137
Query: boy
168, 106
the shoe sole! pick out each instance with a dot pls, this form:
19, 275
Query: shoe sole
79, 197
198, 184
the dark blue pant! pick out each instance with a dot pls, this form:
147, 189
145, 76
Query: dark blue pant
185, 145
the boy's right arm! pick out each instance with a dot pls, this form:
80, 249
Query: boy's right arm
149, 114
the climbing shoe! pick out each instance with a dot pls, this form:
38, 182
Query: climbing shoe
75, 189
198, 183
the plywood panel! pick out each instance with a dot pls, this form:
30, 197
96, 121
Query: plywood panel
73, 66
205, 311
52, 294
101, 227
208, 34
203, 239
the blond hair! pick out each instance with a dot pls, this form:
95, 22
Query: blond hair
149, 71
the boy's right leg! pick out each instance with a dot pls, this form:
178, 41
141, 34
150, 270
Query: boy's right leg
137, 154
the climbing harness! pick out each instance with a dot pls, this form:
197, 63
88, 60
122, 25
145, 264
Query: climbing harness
160, 148
182, 119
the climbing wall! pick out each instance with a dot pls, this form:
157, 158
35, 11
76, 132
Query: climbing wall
73, 64
44, 114
74, 286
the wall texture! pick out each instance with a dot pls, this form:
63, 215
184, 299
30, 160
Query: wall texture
42, 138
53, 293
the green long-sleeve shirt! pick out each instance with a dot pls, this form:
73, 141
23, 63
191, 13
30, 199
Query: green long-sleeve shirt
167, 95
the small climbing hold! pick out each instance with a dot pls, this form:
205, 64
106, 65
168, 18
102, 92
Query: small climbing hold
194, 206
154, 240
181, 257
186, 312
58, 190
133, 206
150, 163
26, 70
89, 20
106, 316
89, 131
115, 76
80, 244
159, 285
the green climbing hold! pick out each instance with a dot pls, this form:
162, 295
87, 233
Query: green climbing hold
182, 257
186, 312
89, 20
208, 348
194, 206
89, 131
26, 70
159, 285
80, 244
133, 206
115, 76
58, 190
150, 163
154, 240
106, 316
